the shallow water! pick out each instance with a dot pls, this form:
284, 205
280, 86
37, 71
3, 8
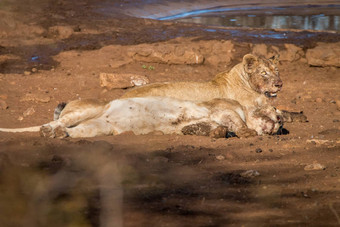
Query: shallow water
298, 17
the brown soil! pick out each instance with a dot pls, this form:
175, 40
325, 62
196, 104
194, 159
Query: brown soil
154, 180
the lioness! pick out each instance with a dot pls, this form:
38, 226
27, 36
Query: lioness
142, 115
250, 83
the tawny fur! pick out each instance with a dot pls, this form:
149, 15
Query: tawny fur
250, 83
89, 118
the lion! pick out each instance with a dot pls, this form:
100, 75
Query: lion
144, 115
251, 83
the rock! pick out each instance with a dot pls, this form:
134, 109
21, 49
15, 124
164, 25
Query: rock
167, 53
220, 53
220, 157
337, 102
324, 54
35, 98
62, 32
30, 111
318, 100
291, 53
250, 173
27, 73
34, 70
121, 80
3, 105
258, 150
315, 166
320, 142
20, 118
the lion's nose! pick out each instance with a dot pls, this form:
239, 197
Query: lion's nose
279, 84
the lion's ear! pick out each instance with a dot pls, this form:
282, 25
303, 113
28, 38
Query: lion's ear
275, 59
249, 62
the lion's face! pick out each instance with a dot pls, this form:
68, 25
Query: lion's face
263, 74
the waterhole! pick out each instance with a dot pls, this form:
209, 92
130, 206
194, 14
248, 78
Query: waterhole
310, 17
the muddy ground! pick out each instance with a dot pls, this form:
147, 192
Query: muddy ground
156, 180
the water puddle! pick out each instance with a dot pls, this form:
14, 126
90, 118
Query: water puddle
311, 17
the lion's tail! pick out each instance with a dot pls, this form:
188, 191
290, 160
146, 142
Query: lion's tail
29, 129
58, 110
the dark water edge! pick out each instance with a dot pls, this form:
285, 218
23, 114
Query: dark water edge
310, 17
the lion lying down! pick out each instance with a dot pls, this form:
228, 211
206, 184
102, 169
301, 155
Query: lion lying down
143, 115
252, 83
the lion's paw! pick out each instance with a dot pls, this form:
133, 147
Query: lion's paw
60, 132
46, 131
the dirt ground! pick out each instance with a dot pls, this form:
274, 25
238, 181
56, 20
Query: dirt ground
156, 180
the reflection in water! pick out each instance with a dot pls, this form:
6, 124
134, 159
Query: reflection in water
306, 22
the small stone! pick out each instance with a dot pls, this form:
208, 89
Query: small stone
121, 80
20, 118
324, 54
315, 166
258, 150
320, 142
28, 112
3, 105
318, 100
250, 173
337, 102
27, 73
35, 98
34, 70
220, 157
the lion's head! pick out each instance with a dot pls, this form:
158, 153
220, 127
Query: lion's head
263, 74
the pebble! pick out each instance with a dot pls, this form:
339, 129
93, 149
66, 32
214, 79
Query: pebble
34, 70
318, 100
258, 150
250, 173
337, 102
28, 112
314, 166
220, 157
27, 73
3, 105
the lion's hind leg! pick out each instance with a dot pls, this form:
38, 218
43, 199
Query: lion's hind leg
74, 113
78, 111
91, 128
